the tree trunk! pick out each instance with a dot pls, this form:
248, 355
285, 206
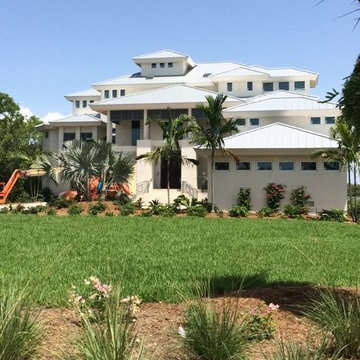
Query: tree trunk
212, 181
350, 195
168, 180
355, 200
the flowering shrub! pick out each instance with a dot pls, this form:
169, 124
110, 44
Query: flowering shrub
244, 198
274, 194
299, 198
259, 321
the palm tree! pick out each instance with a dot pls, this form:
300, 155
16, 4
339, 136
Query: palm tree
211, 136
174, 130
347, 154
80, 161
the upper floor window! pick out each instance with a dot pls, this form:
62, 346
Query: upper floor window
286, 165
330, 120
46, 134
264, 165
135, 132
250, 86
162, 65
114, 93
68, 136
308, 165
229, 86
315, 120
170, 65
240, 122
122, 92
91, 101
85, 136
268, 86
106, 94
221, 166
77, 104
254, 122
153, 65
84, 103
299, 85
331, 165
283, 85
243, 165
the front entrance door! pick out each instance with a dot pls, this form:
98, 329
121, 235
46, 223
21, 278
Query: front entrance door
175, 175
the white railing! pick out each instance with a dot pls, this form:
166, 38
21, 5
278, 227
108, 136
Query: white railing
188, 189
143, 187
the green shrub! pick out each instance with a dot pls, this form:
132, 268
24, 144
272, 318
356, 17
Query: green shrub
199, 211
122, 199
244, 198
338, 314
98, 206
166, 210
212, 334
207, 205
154, 206
265, 212
293, 211
51, 212
93, 212
184, 201
75, 209
332, 215
274, 194
61, 203
146, 214
20, 334
300, 199
239, 211
138, 203
126, 209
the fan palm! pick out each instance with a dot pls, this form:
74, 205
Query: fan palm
211, 136
79, 161
174, 130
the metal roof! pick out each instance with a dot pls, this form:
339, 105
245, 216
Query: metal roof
84, 118
84, 93
279, 136
161, 54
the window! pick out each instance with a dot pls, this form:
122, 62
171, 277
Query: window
329, 120
286, 165
308, 165
254, 122
243, 165
162, 65
46, 134
69, 136
84, 103
315, 121
299, 85
229, 86
240, 122
106, 94
91, 101
283, 85
269, 86
122, 92
170, 65
205, 75
135, 132
264, 165
77, 103
221, 166
331, 165
250, 86
114, 93
85, 136
153, 65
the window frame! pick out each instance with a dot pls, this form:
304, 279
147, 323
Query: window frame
243, 162
229, 86
241, 121
170, 65
308, 162
87, 138
286, 162
327, 120
114, 93
223, 163
250, 86
67, 133
162, 65
122, 92
251, 120
282, 83
106, 94
268, 84
296, 88
77, 104
153, 65
84, 103
331, 162
315, 123
264, 162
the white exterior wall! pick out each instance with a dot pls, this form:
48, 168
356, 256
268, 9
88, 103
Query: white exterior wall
179, 68
84, 110
327, 188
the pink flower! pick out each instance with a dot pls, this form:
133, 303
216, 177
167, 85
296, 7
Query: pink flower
273, 307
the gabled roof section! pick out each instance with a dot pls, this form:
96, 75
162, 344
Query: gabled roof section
169, 54
241, 71
162, 97
279, 136
281, 101
83, 93
72, 119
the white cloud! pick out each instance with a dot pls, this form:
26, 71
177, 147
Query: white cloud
26, 112
50, 116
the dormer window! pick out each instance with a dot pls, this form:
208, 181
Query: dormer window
77, 104
283, 85
114, 93
84, 103
299, 85
268, 86
162, 65
106, 94
170, 65
122, 92
153, 65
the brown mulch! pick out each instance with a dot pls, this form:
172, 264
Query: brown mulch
157, 324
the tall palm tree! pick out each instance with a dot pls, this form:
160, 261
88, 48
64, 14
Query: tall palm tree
174, 130
80, 161
211, 136
347, 154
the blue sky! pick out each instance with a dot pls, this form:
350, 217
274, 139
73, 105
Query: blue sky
52, 47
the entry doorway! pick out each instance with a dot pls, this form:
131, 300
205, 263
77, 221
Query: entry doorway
175, 175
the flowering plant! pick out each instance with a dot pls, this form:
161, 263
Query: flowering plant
274, 194
259, 321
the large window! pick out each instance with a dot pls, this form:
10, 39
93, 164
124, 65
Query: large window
329, 120
114, 93
308, 165
250, 86
268, 86
229, 87
106, 94
315, 120
85, 136
264, 165
286, 165
331, 165
283, 85
254, 122
135, 132
299, 85
221, 166
243, 165
68, 136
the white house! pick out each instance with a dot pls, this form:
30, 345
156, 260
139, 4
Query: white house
281, 126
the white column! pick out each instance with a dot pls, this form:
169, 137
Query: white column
77, 132
108, 128
61, 137
94, 132
146, 127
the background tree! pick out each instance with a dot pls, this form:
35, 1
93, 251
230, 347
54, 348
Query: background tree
211, 135
174, 130
20, 141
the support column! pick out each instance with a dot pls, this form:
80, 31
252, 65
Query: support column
146, 127
77, 132
61, 138
108, 128
94, 132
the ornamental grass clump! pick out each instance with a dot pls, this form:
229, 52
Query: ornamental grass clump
20, 333
274, 195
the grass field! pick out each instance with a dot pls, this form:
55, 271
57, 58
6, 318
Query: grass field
163, 258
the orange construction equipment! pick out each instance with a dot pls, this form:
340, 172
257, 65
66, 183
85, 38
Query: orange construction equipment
7, 187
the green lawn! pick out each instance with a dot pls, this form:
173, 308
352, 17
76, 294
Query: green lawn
163, 258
